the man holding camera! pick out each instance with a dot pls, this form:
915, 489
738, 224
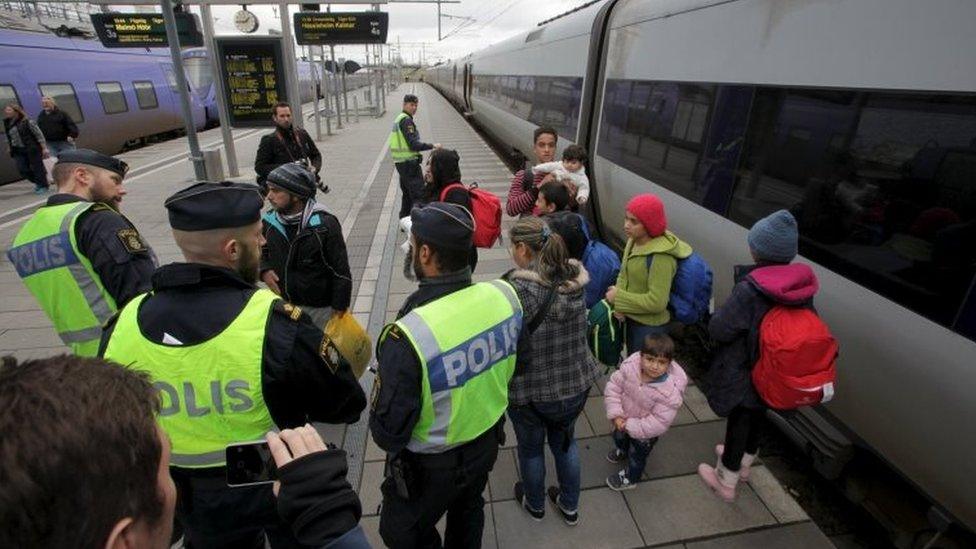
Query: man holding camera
85, 464
286, 144
229, 361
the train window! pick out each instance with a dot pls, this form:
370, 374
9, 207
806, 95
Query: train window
145, 94
64, 95
883, 186
661, 131
556, 103
113, 100
8, 95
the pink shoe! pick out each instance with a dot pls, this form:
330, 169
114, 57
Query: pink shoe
745, 464
720, 480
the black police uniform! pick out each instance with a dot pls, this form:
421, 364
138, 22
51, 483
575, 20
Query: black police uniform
411, 176
117, 252
193, 303
450, 482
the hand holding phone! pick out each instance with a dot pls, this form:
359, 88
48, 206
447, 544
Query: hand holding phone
251, 463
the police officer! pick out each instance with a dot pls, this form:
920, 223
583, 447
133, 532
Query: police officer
405, 148
78, 255
230, 362
442, 387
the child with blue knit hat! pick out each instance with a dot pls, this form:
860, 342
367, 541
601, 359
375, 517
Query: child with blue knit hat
772, 280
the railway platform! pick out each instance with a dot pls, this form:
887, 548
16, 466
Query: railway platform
671, 508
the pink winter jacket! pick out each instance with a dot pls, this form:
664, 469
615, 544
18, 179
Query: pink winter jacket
649, 408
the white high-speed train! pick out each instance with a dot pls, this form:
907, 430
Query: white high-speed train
859, 116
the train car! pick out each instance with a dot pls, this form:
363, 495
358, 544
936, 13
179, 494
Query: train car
857, 116
116, 96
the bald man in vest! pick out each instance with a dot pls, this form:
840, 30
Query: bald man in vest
230, 362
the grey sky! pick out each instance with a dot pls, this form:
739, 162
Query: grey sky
417, 23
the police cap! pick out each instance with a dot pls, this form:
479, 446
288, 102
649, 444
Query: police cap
206, 206
92, 158
444, 225
410, 98
294, 178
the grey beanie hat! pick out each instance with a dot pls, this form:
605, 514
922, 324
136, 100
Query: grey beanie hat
774, 237
294, 178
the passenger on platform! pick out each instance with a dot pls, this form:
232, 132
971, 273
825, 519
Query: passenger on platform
85, 464
525, 184
571, 168
230, 361
405, 148
287, 144
443, 184
642, 398
647, 269
555, 377
771, 280
304, 257
438, 400
80, 258
554, 196
58, 128
26, 145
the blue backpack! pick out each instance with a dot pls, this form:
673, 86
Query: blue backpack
691, 289
602, 264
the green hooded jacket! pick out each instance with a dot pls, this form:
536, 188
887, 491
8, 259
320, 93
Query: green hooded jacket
642, 292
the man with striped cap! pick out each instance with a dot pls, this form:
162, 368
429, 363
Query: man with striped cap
78, 255
229, 361
441, 390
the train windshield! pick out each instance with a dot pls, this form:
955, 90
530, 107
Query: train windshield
199, 73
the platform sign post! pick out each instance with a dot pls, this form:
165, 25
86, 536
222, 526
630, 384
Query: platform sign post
230, 150
335, 85
293, 89
172, 36
252, 68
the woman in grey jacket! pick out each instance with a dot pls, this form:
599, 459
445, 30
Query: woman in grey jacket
548, 393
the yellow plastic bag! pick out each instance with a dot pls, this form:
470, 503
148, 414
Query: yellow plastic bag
351, 341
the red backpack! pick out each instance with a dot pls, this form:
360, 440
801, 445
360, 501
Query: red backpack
797, 359
487, 212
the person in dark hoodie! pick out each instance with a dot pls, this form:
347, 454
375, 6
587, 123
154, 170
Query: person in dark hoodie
304, 257
443, 184
771, 280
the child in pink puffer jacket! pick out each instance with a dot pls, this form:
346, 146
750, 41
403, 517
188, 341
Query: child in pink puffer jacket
642, 398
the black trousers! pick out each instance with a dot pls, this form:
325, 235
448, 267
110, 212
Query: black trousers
30, 164
411, 185
743, 429
454, 489
215, 516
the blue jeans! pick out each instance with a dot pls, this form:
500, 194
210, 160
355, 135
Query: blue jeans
57, 147
556, 421
636, 332
636, 451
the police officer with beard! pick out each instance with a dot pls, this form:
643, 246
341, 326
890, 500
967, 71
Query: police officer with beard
441, 389
230, 362
78, 255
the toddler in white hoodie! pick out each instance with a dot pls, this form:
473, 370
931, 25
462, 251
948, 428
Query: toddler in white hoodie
571, 167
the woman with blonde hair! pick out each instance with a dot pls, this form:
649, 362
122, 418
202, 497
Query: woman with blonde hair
26, 145
550, 387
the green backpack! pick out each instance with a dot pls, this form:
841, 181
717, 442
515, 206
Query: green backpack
605, 334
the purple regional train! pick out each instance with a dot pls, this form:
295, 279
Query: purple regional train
118, 97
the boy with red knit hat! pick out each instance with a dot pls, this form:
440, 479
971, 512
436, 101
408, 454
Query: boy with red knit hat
647, 268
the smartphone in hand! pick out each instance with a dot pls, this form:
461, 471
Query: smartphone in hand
250, 463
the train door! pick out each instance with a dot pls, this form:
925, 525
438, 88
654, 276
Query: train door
454, 78
466, 98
